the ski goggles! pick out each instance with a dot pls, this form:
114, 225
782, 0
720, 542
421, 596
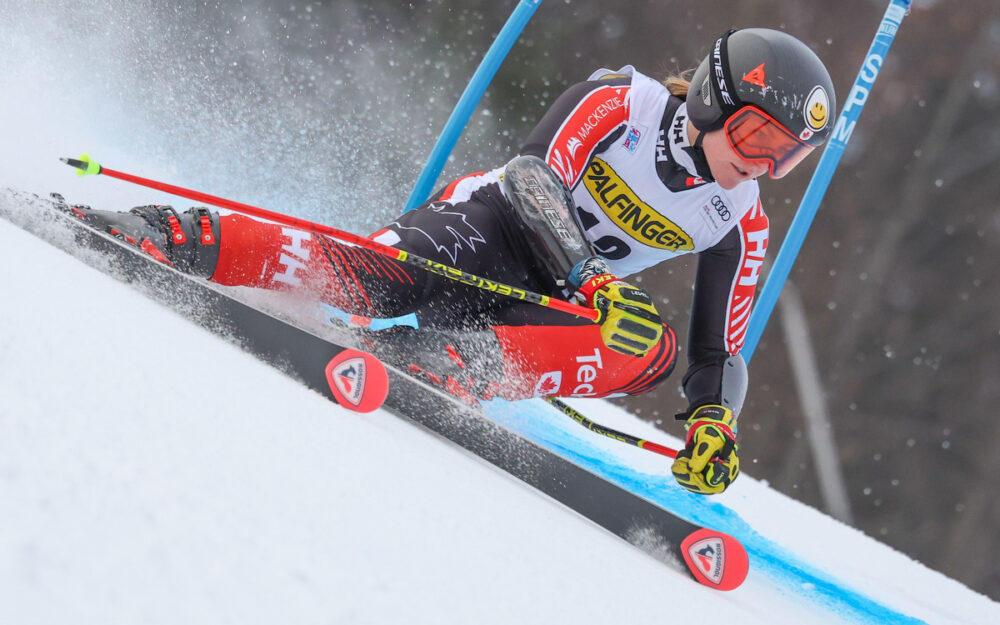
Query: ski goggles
756, 136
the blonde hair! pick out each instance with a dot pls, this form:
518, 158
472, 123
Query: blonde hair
679, 84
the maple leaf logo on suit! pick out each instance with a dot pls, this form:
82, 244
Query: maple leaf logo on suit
452, 231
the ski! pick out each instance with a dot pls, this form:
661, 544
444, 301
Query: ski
333, 361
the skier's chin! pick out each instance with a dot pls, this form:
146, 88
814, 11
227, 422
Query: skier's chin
731, 180
727, 182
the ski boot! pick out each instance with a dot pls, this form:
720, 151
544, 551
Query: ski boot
463, 364
189, 241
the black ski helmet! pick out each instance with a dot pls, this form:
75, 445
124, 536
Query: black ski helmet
767, 68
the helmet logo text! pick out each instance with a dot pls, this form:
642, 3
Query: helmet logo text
720, 75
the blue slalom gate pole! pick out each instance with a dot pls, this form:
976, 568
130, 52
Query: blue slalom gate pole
470, 98
863, 84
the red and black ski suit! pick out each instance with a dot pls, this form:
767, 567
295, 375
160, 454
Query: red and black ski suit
487, 345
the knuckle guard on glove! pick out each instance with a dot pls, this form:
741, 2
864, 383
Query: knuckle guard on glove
629, 321
708, 464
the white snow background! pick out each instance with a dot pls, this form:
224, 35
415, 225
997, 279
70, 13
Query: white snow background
152, 473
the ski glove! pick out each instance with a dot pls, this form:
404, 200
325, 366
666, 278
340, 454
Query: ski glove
708, 464
629, 321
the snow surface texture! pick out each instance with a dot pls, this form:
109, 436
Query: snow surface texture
151, 472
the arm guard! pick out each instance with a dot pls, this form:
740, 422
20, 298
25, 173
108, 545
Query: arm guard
721, 380
543, 209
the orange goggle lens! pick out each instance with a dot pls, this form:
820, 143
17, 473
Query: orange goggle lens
756, 136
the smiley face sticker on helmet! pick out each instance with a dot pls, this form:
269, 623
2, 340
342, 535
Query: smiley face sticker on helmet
816, 110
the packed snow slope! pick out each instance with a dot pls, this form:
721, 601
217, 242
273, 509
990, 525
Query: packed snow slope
152, 472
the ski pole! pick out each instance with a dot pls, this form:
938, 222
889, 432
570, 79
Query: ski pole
572, 413
85, 166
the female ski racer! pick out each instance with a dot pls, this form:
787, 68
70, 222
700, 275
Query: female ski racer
621, 173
